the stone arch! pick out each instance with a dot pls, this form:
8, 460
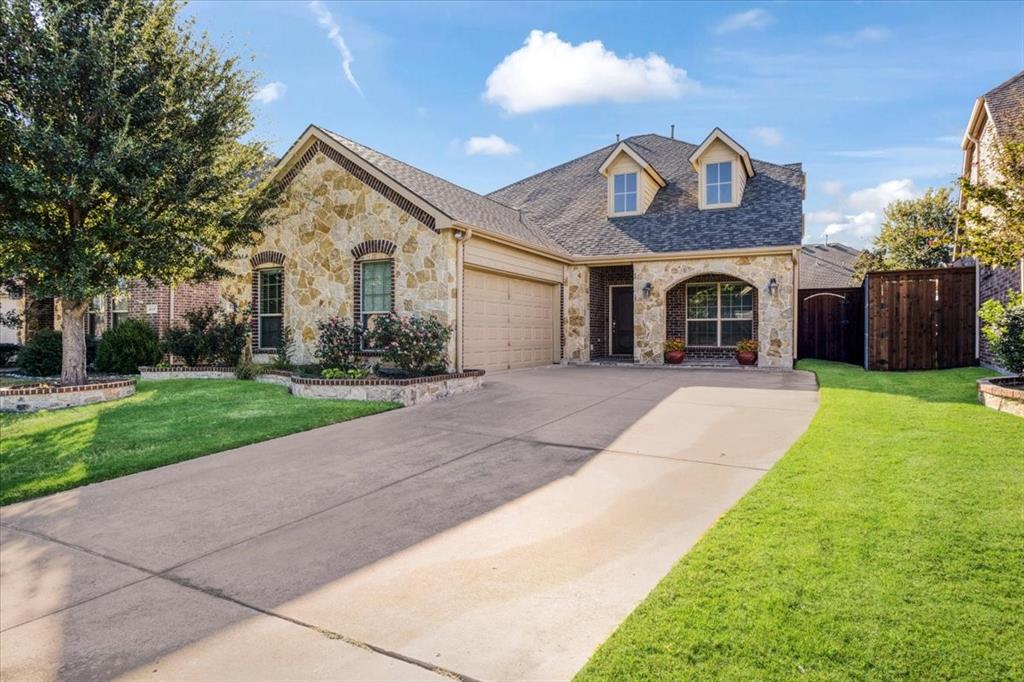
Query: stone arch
676, 319
383, 246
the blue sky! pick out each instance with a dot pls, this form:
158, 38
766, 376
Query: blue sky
871, 97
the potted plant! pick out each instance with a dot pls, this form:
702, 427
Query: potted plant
675, 351
746, 352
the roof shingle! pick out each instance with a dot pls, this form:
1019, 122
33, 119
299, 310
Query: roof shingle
1006, 106
828, 266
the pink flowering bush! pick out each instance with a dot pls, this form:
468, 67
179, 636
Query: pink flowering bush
337, 344
416, 345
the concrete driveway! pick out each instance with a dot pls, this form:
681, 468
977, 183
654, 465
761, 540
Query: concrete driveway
499, 535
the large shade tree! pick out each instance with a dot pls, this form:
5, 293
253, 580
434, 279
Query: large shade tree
121, 153
916, 233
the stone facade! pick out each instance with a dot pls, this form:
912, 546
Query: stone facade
407, 392
1003, 398
577, 317
35, 398
325, 214
775, 313
182, 372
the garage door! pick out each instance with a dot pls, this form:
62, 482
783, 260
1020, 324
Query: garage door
509, 322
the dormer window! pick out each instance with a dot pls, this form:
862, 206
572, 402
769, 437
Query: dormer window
719, 183
625, 193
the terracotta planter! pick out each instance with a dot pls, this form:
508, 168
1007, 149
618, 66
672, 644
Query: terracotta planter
747, 357
675, 357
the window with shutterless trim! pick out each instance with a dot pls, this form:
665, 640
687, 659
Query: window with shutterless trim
719, 313
375, 290
718, 183
270, 318
624, 196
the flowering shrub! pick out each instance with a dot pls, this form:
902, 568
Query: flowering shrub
746, 346
413, 344
337, 346
674, 345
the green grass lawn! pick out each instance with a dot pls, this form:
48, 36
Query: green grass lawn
164, 422
887, 544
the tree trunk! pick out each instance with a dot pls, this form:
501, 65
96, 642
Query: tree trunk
72, 372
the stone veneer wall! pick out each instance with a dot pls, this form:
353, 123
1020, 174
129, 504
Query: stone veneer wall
775, 313
676, 318
577, 317
35, 398
325, 213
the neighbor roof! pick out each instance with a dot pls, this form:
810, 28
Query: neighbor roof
828, 266
1006, 106
458, 203
569, 203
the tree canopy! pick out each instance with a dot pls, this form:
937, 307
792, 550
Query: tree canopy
992, 213
916, 233
122, 152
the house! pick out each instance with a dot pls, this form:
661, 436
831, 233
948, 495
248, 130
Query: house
606, 255
997, 117
828, 266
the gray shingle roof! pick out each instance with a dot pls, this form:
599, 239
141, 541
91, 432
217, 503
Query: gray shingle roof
456, 202
569, 203
1006, 105
828, 266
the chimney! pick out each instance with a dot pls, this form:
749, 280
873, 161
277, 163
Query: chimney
616, 137
672, 133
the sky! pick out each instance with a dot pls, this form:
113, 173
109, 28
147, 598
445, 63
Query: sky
871, 97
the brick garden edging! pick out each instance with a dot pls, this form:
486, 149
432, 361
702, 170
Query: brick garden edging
408, 391
992, 394
42, 397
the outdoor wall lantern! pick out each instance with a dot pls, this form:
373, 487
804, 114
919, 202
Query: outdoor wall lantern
773, 287
647, 290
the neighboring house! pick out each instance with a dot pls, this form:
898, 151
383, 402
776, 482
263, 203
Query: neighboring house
997, 117
12, 302
828, 266
605, 255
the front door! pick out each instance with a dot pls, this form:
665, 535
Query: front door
622, 320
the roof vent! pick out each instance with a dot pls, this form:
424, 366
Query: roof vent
616, 137
672, 131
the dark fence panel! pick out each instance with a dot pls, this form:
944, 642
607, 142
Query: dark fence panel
920, 319
831, 325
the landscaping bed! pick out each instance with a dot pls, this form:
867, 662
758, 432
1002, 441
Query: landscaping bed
1005, 394
33, 397
164, 422
886, 544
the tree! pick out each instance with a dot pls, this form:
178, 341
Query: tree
992, 212
916, 233
120, 153
1004, 330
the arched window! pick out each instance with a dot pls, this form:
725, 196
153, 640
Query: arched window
374, 279
267, 300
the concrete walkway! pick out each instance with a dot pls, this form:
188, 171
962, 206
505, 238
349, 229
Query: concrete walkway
499, 535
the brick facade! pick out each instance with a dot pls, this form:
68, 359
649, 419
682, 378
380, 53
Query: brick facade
600, 279
675, 319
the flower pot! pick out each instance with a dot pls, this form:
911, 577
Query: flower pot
675, 357
747, 357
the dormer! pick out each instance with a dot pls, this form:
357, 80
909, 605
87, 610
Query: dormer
632, 182
723, 168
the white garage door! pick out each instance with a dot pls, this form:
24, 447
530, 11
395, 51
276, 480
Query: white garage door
509, 322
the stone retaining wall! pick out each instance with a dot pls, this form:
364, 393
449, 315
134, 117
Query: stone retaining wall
1002, 398
41, 397
197, 372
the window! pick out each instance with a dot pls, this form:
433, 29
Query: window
92, 323
375, 290
271, 308
625, 192
119, 310
719, 313
719, 183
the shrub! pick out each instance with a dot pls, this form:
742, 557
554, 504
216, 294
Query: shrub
41, 355
337, 345
208, 337
1004, 331
246, 371
283, 357
746, 346
128, 346
674, 345
413, 344
8, 351
335, 373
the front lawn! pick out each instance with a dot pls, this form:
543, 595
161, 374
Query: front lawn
164, 422
887, 544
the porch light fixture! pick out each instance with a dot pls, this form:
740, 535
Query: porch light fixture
773, 287
647, 290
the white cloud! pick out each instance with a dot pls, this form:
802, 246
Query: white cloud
751, 19
547, 72
832, 187
878, 197
857, 217
770, 136
864, 36
326, 20
270, 92
492, 145
824, 217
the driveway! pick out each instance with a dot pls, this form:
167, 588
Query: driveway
503, 534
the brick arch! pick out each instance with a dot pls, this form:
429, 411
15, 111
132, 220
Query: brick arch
374, 246
264, 257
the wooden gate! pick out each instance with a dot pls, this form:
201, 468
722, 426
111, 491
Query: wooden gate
921, 319
831, 325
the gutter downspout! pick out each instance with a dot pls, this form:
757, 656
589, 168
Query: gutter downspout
460, 260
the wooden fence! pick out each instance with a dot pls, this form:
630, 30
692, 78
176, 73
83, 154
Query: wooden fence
831, 325
920, 319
